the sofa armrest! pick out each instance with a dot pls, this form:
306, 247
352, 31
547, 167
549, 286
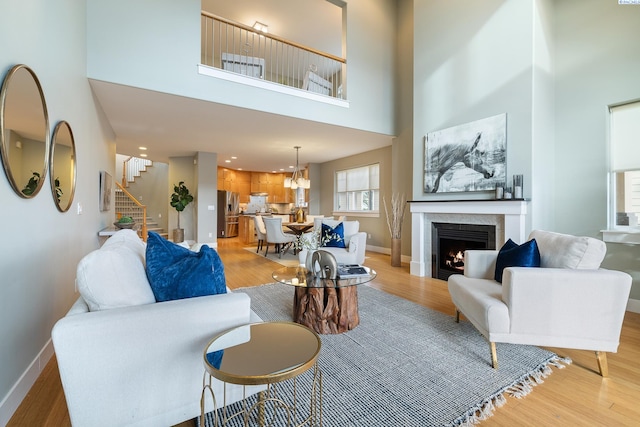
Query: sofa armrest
575, 303
146, 360
480, 264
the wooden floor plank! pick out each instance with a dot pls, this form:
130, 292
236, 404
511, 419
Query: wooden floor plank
573, 396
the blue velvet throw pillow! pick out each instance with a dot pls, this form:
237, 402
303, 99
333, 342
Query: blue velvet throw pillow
175, 272
333, 237
513, 255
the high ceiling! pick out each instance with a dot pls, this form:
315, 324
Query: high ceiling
172, 126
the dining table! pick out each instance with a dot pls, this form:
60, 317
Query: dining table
298, 228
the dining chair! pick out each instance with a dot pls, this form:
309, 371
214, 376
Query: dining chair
261, 232
275, 235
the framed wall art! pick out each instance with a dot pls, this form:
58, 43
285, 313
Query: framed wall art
106, 183
467, 157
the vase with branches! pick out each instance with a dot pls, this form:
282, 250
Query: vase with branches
395, 216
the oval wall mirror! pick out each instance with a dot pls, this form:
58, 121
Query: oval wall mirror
62, 166
24, 131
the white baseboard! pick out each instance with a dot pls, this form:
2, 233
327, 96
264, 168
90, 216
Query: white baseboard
20, 389
633, 305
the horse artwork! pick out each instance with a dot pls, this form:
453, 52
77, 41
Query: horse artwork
468, 157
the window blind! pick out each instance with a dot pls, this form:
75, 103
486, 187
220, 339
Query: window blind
625, 137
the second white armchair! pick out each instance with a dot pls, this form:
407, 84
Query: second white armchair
570, 302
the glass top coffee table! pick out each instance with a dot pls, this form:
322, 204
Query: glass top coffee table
328, 306
265, 354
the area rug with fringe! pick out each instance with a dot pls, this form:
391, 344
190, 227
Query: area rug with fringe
406, 365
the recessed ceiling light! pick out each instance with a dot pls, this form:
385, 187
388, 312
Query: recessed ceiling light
142, 148
143, 155
291, 167
234, 158
239, 169
227, 161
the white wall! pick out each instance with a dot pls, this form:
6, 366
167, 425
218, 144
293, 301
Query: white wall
473, 60
553, 66
40, 247
597, 63
164, 35
207, 195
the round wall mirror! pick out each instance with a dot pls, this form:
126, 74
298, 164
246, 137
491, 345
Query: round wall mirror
62, 166
24, 131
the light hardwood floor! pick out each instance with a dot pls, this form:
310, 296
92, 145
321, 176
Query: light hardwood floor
573, 396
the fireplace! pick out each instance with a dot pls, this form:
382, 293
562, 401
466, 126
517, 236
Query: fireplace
508, 216
449, 241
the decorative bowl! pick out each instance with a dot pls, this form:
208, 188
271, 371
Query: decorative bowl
122, 225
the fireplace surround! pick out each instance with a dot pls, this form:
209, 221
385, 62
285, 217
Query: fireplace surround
508, 216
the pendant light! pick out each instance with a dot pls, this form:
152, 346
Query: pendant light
297, 180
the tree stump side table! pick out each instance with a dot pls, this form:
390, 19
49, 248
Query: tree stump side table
326, 306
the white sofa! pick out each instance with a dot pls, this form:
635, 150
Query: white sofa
569, 302
130, 360
354, 240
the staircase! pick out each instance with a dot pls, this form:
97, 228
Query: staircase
132, 168
153, 226
128, 205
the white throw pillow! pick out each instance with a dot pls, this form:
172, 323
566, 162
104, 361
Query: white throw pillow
128, 238
350, 228
566, 251
113, 276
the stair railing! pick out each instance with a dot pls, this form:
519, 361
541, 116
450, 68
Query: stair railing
133, 208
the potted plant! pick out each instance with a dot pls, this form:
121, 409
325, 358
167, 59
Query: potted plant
394, 222
179, 200
125, 222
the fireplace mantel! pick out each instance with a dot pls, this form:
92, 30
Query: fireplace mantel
508, 215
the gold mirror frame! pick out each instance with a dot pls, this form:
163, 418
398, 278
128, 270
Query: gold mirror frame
62, 166
24, 131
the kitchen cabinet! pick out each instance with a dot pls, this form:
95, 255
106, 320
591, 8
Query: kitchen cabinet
272, 184
235, 181
247, 232
245, 183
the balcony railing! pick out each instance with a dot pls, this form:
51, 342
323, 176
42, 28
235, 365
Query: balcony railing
241, 49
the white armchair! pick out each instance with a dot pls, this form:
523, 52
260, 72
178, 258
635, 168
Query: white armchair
355, 242
569, 302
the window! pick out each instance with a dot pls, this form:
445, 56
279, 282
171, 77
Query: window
358, 189
625, 165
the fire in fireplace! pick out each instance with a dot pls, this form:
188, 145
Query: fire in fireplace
449, 241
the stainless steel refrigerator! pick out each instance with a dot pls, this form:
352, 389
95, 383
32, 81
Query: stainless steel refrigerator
228, 211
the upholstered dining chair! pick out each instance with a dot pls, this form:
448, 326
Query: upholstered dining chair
261, 231
568, 302
275, 235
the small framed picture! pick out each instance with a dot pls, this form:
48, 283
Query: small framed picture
106, 183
